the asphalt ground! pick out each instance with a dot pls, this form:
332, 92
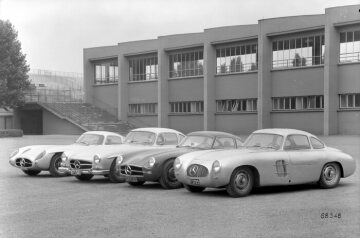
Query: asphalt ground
44, 206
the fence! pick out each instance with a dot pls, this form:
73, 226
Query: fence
54, 95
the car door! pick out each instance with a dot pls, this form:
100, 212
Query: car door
305, 163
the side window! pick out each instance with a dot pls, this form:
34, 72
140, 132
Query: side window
239, 143
296, 142
316, 144
181, 137
167, 139
224, 142
113, 140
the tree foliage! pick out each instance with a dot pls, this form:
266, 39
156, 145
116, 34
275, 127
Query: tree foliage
13, 68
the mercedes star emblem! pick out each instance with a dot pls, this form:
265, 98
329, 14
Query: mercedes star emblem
77, 164
22, 162
128, 170
193, 170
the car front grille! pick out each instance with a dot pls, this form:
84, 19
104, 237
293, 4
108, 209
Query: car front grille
22, 162
131, 170
80, 164
197, 170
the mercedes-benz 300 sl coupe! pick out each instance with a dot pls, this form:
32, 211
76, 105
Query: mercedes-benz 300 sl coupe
101, 160
33, 159
157, 165
269, 157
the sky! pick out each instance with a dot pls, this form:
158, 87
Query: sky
53, 33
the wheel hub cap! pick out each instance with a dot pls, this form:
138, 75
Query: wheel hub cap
241, 180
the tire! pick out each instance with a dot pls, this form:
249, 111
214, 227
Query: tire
241, 182
54, 166
113, 176
32, 172
168, 179
330, 175
84, 177
135, 184
194, 189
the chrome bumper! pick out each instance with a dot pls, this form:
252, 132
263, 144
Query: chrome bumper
84, 171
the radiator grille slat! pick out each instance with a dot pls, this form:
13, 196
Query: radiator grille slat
131, 170
80, 164
197, 170
23, 162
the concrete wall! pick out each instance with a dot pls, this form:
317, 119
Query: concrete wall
349, 122
308, 121
186, 89
242, 123
106, 97
55, 125
348, 79
143, 121
186, 123
142, 92
236, 86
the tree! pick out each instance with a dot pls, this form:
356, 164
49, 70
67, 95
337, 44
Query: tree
13, 68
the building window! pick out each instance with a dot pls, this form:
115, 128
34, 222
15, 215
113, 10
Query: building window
236, 59
350, 46
144, 68
106, 72
298, 52
236, 105
350, 100
298, 103
143, 108
187, 107
186, 64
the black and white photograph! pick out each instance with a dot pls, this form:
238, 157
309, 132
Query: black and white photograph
192, 118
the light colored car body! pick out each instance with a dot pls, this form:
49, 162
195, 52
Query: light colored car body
135, 166
38, 157
83, 162
284, 165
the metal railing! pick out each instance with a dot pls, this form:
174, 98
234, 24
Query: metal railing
45, 95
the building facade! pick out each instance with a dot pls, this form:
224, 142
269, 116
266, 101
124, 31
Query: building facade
292, 72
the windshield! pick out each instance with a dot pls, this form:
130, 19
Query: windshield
264, 140
202, 142
90, 139
140, 137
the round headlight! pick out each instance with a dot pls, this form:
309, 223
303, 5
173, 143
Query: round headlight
14, 153
152, 162
119, 159
40, 155
177, 164
96, 159
216, 166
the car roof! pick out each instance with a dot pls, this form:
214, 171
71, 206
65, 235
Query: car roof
212, 133
104, 133
283, 131
157, 130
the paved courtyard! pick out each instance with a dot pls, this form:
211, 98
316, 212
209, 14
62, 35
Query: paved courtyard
44, 206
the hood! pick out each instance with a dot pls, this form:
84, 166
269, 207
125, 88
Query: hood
31, 152
106, 151
62, 148
139, 158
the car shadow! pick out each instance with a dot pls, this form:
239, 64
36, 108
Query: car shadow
269, 190
146, 186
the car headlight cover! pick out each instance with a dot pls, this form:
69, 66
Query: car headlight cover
216, 166
97, 159
119, 159
151, 162
14, 153
40, 155
177, 164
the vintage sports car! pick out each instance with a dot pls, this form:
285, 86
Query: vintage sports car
157, 165
100, 160
269, 157
33, 159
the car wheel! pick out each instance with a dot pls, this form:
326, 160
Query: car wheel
84, 177
115, 178
194, 189
32, 172
330, 175
138, 183
168, 179
241, 182
54, 166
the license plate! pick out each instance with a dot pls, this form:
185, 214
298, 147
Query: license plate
131, 179
75, 172
194, 181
